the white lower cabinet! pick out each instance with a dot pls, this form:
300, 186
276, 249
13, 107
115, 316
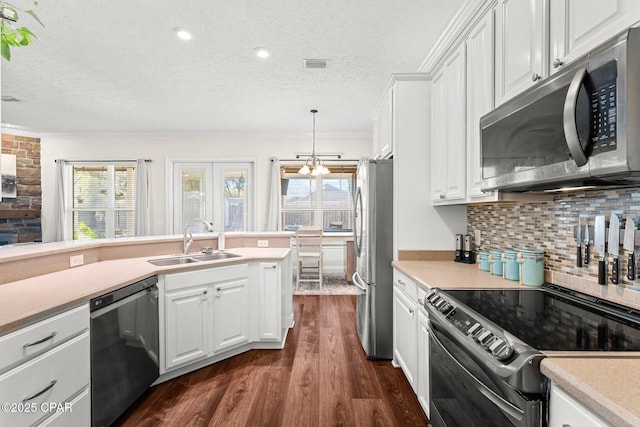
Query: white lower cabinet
76, 413
411, 335
230, 308
270, 321
186, 325
404, 334
41, 385
565, 411
205, 312
423, 360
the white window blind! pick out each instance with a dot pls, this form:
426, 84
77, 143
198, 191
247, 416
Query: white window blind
324, 201
103, 200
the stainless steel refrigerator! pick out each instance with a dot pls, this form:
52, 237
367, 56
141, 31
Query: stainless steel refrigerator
373, 238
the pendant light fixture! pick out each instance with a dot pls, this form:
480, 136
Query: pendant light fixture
314, 165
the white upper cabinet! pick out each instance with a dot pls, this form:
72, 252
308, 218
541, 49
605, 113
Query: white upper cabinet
576, 26
536, 38
520, 36
479, 49
448, 131
383, 128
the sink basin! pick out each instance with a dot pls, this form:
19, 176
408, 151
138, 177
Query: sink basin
215, 256
172, 261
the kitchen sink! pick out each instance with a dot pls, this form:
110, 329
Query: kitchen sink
162, 262
215, 256
172, 261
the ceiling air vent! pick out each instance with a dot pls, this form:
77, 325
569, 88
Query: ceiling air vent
315, 64
9, 98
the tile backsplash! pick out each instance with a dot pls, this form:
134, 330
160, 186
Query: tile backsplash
550, 226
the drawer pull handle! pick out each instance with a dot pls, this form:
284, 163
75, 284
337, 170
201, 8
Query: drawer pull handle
45, 339
400, 282
43, 391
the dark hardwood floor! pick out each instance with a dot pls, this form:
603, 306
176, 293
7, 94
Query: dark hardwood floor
321, 378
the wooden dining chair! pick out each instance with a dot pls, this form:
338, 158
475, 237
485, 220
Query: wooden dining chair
309, 248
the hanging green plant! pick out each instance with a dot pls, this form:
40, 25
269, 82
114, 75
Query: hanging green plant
10, 33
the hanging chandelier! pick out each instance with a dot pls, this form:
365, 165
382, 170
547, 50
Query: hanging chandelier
314, 165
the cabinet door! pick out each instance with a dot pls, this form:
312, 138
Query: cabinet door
479, 46
385, 127
576, 26
186, 325
448, 151
564, 410
230, 307
438, 138
404, 329
423, 361
519, 46
270, 313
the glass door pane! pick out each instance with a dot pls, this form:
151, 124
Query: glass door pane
192, 199
233, 196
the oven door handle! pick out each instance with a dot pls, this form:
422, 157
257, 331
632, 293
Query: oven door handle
513, 412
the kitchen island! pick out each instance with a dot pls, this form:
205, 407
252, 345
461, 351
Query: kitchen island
108, 264
57, 341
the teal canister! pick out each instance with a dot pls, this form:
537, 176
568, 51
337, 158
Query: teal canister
511, 267
483, 260
532, 262
496, 261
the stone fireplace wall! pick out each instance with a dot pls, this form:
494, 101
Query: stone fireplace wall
20, 217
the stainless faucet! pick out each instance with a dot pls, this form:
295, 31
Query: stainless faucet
188, 237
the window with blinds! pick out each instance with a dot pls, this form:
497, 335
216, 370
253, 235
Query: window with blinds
325, 201
103, 200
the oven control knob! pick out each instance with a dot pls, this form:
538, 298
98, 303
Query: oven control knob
431, 294
474, 328
435, 299
446, 308
440, 303
485, 337
502, 351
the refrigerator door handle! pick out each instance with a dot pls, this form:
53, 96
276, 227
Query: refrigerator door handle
358, 282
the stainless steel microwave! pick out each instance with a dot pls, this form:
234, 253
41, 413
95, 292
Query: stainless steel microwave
579, 127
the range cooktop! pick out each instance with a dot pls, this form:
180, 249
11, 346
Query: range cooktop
556, 319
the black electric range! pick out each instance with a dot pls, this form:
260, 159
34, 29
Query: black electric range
486, 346
553, 318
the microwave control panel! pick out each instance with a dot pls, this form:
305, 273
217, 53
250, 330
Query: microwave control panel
604, 108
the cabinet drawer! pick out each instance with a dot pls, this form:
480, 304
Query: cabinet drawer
52, 377
564, 411
23, 344
206, 276
76, 413
407, 285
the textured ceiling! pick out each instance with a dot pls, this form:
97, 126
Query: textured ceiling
116, 66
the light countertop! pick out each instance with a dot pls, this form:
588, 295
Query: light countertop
608, 385
27, 301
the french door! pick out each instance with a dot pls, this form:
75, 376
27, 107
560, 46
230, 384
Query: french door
221, 192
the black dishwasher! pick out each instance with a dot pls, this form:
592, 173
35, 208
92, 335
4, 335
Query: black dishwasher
124, 348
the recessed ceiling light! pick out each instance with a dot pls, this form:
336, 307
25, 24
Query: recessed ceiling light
262, 52
182, 34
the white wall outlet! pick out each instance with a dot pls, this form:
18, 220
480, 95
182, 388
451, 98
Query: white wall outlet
476, 238
76, 260
263, 243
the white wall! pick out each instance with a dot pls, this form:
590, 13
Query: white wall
159, 149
